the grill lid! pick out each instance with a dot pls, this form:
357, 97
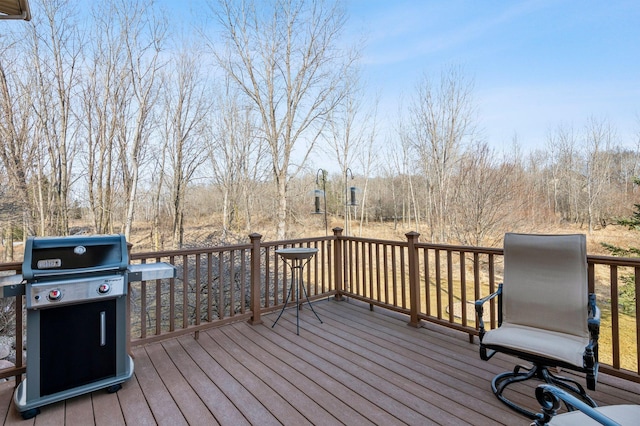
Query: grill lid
54, 256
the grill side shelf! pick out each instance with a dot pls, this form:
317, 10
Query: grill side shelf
150, 271
12, 286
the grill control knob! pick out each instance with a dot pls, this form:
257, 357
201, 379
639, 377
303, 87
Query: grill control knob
55, 295
104, 288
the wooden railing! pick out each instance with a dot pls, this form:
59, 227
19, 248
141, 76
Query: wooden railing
218, 285
13, 308
439, 283
427, 282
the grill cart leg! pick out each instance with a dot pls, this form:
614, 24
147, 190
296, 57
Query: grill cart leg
29, 414
114, 388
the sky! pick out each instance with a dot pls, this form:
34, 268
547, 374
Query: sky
536, 65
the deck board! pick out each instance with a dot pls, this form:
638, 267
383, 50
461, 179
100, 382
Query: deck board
285, 388
162, 405
107, 410
242, 398
452, 371
6, 395
348, 383
358, 367
218, 404
133, 404
413, 371
389, 391
276, 404
317, 386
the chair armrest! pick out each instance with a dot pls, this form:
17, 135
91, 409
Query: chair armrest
590, 357
479, 304
594, 319
550, 398
594, 311
594, 325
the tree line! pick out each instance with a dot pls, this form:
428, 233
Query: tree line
111, 113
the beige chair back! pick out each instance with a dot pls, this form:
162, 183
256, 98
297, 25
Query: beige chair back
545, 282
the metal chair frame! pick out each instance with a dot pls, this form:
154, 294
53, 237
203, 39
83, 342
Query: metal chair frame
541, 364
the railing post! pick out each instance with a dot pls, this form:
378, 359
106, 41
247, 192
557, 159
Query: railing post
337, 263
414, 278
255, 279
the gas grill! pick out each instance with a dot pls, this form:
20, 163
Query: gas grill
75, 290
67, 270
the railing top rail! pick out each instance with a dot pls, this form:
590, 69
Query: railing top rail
617, 261
374, 240
296, 241
189, 251
446, 247
596, 259
14, 266
466, 249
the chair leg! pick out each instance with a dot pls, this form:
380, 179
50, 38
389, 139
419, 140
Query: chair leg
569, 385
501, 381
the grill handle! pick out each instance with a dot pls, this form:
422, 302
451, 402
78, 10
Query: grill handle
103, 328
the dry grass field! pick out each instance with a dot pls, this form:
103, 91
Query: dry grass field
201, 231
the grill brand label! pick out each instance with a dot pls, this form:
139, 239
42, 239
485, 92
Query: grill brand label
49, 263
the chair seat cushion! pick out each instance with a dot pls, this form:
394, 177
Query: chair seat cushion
550, 344
623, 414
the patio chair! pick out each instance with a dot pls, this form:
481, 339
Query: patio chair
581, 414
545, 315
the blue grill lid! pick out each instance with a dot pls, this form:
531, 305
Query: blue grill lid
54, 256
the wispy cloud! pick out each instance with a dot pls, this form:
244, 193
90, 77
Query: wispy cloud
536, 63
419, 29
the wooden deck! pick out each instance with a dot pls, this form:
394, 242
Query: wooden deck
358, 367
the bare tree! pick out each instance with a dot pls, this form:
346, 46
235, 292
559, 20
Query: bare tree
403, 165
441, 121
562, 146
106, 92
352, 131
120, 90
55, 51
285, 57
17, 145
186, 106
487, 200
143, 35
236, 156
159, 174
599, 137
367, 158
